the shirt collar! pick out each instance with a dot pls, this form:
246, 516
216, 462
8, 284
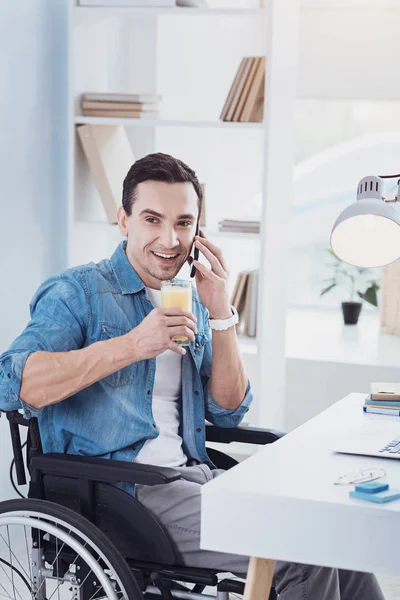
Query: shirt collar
128, 280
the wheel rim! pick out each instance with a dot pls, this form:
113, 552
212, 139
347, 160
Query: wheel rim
18, 527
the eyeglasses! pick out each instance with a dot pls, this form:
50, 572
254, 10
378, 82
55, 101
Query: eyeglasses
361, 476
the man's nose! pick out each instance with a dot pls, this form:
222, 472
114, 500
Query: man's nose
169, 238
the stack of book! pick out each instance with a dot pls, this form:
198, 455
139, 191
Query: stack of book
244, 299
384, 399
245, 100
132, 106
237, 226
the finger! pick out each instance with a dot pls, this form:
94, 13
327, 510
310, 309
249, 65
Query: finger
206, 272
176, 348
177, 321
213, 248
212, 259
181, 330
178, 312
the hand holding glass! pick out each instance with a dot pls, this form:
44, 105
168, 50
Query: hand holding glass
177, 294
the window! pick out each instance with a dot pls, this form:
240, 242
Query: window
337, 143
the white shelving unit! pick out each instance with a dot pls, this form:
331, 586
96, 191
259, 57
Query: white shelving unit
157, 51
83, 120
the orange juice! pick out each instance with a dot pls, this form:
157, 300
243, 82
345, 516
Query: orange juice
177, 294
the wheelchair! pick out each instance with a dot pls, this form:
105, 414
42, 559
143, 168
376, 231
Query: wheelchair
78, 536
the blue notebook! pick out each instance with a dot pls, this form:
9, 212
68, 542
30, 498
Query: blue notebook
394, 403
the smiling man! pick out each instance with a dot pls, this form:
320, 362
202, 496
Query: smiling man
99, 368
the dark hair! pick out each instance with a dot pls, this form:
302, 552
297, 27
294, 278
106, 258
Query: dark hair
157, 167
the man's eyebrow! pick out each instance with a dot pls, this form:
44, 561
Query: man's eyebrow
149, 211
187, 216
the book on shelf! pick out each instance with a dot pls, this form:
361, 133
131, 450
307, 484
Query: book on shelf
244, 299
108, 105
245, 100
144, 3
102, 104
129, 3
239, 226
110, 156
118, 114
111, 97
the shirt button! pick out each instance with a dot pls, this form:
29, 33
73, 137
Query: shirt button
196, 392
154, 425
197, 345
198, 429
9, 375
28, 413
148, 392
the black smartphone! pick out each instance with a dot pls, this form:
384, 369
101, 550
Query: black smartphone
196, 252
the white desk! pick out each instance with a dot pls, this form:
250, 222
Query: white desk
281, 503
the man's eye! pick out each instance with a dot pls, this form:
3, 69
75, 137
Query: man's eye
185, 223
151, 220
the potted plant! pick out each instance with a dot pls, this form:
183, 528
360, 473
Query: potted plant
357, 278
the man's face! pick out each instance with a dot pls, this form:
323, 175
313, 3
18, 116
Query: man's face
160, 229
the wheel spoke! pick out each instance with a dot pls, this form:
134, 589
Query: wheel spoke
12, 570
12, 582
14, 555
28, 553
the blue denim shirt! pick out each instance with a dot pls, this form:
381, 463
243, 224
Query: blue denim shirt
113, 417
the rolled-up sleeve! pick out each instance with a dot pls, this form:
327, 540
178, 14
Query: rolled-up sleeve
59, 318
214, 413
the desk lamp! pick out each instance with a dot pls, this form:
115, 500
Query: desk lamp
367, 233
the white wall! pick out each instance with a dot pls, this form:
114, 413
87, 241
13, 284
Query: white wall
32, 164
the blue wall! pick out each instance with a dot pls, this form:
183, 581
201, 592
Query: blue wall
33, 164
33, 152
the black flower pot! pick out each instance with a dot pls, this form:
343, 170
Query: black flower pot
351, 312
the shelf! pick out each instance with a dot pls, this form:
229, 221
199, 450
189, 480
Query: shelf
81, 120
132, 11
231, 234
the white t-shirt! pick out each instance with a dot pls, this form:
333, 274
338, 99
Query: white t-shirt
166, 449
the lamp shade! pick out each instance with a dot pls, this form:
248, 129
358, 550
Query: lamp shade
367, 233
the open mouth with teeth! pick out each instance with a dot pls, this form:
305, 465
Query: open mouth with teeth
165, 259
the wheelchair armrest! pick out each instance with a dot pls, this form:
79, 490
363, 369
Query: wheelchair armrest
102, 469
247, 435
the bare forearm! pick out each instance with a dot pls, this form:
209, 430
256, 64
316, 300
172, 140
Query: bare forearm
228, 381
49, 377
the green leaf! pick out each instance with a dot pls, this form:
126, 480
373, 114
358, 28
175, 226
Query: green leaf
370, 295
327, 289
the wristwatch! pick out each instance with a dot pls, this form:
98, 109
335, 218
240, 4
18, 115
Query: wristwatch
224, 324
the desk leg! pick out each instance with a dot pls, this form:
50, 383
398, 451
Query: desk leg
259, 579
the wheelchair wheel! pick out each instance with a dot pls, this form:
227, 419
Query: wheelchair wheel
48, 551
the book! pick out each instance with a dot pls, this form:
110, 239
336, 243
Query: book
239, 300
395, 412
109, 155
382, 403
106, 97
246, 88
385, 391
232, 90
100, 104
239, 88
253, 294
245, 313
120, 114
125, 3
253, 110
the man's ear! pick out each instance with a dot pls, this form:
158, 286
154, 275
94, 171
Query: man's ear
121, 218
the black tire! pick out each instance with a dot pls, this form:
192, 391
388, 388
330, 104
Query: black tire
50, 509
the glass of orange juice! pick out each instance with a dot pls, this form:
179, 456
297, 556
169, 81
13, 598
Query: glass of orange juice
177, 294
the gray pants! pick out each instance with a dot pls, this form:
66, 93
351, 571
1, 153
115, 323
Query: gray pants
177, 507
